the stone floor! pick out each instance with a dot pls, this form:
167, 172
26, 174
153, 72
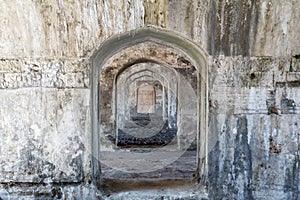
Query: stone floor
147, 168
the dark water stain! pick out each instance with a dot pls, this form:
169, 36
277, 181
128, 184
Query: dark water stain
292, 180
233, 26
243, 157
77, 165
223, 181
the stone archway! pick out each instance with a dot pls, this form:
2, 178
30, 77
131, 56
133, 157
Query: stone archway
146, 105
184, 102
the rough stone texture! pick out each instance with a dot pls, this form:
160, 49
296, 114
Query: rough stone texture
46, 73
63, 28
254, 93
257, 128
43, 135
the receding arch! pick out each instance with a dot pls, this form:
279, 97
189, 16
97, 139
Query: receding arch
153, 70
168, 38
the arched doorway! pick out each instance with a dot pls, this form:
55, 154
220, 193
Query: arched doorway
151, 57
146, 108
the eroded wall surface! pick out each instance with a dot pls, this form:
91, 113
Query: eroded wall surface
254, 94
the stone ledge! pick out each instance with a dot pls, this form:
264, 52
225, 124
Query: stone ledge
19, 73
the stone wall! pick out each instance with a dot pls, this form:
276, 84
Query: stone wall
253, 89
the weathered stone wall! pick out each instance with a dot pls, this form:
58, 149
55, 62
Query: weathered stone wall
254, 91
254, 122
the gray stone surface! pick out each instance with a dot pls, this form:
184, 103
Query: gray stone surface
253, 100
44, 134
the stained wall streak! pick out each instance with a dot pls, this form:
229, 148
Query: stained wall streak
64, 28
276, 29
117, 16
232, 24
156, 12
254, 114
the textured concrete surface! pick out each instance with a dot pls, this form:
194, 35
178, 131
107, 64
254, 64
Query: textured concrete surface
253, 88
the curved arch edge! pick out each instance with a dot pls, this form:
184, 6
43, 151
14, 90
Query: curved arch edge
119, 42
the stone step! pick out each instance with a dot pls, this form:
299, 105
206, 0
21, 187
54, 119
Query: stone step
158, 195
